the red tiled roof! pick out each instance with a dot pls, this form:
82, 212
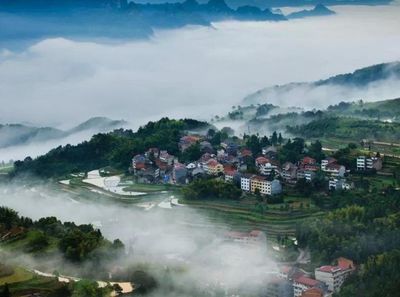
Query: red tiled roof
345, 263
179, 166
189, 138
246, 152
309, 282
329, 268
212, 163
313, 292
230, 172
160, 164
229, 167
333, 166
140, 165
260, 178
262, 160
309, 160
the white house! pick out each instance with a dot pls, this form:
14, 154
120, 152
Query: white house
245, 182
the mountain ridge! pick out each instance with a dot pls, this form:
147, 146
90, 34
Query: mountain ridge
19, 134
362, 77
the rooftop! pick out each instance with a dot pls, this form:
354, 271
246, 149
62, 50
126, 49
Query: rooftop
309, 282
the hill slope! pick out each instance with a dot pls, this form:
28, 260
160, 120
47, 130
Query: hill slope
18, 134
363, 83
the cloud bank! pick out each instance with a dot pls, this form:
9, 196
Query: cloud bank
194, 71
193, 248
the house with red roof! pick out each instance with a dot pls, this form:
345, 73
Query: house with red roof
313, 292
187, 141
303, 283
334, 276
265, 166
254, 237
213, 167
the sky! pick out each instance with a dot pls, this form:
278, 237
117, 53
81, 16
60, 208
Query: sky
190, 72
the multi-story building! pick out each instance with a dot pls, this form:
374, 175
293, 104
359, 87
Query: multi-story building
179, 173
138, 162
213, 167
308, 175
303, 283
265, 186
361, 160
364, 163
335, 169
374, 163
334, 276
326, 162
265, 166
314, 292
166, 157
289, 171
229, 175
245, 184
337, 183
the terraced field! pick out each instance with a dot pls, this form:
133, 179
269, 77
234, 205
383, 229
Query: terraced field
243, 216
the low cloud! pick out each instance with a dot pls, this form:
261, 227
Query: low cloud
194, 71
188, 243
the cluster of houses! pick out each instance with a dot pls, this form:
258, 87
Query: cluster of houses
295, 282
231, 162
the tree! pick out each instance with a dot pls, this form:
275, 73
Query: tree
258, 195
87, 288
192, 153
77, 245
280, 138
315, 151
253, 143
37, 240
274, 138
6, 291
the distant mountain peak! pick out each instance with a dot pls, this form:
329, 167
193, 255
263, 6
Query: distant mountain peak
318, 10
218, 6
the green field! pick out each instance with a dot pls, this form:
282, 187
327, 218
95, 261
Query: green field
19, 275
148, 188
244, 215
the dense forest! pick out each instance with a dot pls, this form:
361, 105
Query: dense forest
115, 149
348, 128
77, 243
363, 225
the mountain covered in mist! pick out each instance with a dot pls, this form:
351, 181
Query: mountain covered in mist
318, 10
33, 20
358, 84
19, 134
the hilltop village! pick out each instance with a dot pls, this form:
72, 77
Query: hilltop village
260, 166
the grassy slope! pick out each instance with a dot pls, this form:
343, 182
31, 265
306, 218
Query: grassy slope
243, 215
19, 275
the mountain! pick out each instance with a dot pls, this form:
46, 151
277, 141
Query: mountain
318, 10
15, 134
201, 13
98, 123
18, 134
363, 83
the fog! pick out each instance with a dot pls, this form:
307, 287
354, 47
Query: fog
178, 238
194, 71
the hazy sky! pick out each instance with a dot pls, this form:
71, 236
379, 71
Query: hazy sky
195, 71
